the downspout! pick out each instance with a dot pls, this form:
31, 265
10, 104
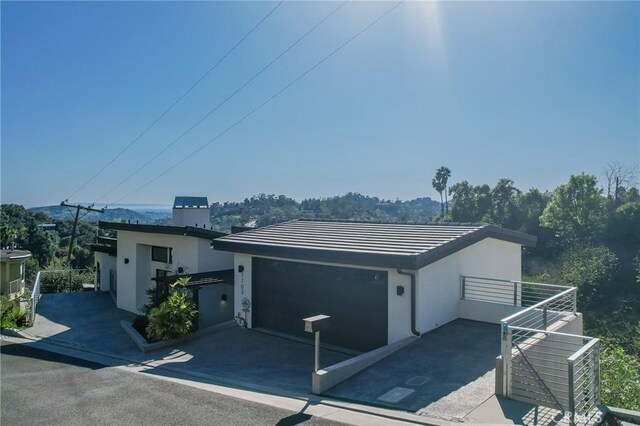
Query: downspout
413, 299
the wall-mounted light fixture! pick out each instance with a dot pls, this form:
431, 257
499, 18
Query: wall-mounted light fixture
240, 268
223, 298
180, 269
126, 260
399, 290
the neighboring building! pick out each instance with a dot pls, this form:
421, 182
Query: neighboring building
379, 282
12, 272
191, 211
142, 254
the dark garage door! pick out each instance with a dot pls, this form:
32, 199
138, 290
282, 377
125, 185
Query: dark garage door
356, 299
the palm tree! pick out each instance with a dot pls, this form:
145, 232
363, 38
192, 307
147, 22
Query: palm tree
444, 173
440, 187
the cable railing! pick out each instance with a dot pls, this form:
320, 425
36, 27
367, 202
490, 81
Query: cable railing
540, 364
507, 292
35, 297
556, 310
552, 369
584, 380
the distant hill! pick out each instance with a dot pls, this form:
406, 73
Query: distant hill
110, 215
267, 209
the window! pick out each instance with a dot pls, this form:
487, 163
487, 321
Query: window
162, 254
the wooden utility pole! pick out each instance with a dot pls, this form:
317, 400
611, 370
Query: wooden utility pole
75, 222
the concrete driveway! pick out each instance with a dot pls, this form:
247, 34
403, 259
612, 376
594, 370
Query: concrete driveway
446, 373
90, 321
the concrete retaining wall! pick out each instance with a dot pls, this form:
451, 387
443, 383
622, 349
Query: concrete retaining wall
326, 378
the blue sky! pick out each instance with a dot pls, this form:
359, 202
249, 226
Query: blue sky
531, 91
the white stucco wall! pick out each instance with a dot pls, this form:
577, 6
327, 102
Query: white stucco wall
135, 277
399, 307
210, 259
439, 283
192, 217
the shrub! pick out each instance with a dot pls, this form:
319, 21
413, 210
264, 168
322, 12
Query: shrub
11, 316
620, 378
174, 317
157, 294
64, 281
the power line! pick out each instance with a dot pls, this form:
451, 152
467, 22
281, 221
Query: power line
154, 122
272, 97
208, 114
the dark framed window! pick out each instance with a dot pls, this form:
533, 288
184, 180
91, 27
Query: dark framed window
161, 254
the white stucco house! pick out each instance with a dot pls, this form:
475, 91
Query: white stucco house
12, 272
379, 282
130, 264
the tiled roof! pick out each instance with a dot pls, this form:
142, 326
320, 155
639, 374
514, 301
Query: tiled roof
197, 202
189, 231
394, 245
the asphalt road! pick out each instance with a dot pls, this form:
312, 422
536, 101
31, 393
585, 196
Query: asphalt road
40, 387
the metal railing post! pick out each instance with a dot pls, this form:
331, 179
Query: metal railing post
575, 300
544, 317
506, 359
515, 293
596, 371
463, 285
572, 400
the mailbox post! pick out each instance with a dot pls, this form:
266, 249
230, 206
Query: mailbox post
314, 325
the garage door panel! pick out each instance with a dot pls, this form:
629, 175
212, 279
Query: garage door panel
356, 299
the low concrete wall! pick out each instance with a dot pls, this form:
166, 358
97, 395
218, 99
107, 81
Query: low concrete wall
326, 378
574, 325
485, 311
145, 346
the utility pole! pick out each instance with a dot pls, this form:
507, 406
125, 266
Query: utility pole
75, 223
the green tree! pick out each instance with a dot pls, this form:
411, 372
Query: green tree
593, 270
576, 211
484, 201
438, 186
531, 205
444, 173
463, 202
504, 205
440, 183
624, 224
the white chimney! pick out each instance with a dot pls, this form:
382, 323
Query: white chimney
192, 211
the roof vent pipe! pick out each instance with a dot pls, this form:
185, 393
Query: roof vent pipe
413, 300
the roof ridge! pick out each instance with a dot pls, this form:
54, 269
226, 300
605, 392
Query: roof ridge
374, 222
